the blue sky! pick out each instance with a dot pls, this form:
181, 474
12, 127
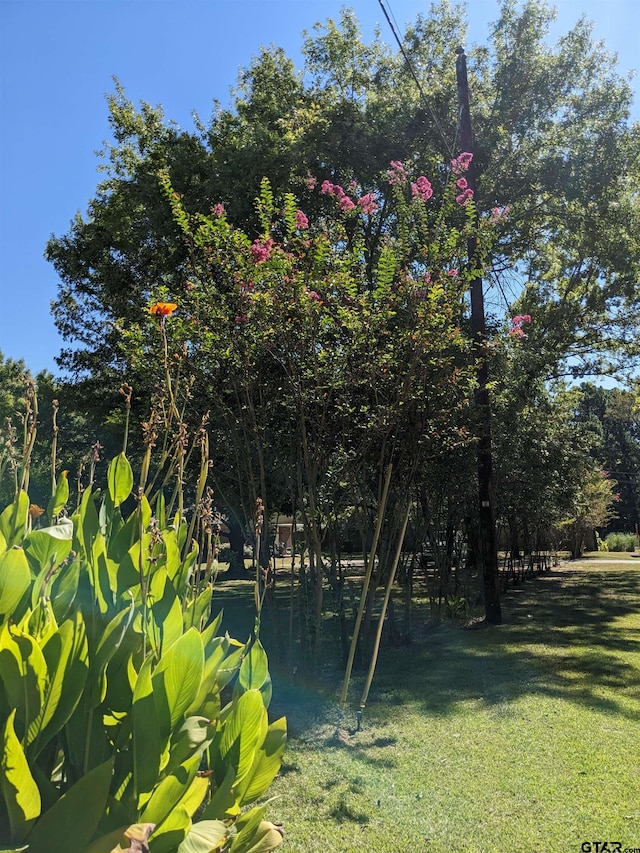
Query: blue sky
57, 60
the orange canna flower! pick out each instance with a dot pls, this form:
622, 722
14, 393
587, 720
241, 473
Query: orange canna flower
164, 309
35, 511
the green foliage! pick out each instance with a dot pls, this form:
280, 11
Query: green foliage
276, 349
553, 138
621, 542
114, 710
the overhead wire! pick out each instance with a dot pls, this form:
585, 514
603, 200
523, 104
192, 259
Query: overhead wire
392, 26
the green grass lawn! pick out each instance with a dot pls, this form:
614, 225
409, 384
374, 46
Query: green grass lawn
523, 737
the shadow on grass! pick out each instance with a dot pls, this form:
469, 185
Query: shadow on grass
569, 634
562, 637
345, 812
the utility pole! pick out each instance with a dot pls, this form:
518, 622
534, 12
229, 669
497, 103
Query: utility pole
489, 547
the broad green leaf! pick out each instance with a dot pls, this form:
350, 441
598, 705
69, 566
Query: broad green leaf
19, 790
41, 623
15, 579
194, 736
231, 664
171, 792
60, 496
103, 581
68, 826
177, 677
129, 533
23, 671
197, 611
122, 675
13, 520
167, 838
254, 669
3, 543
49, 546
147, 745
212, 630
195, 794
110, 518
206, 836
108, 645
254, 834
207, 701
119, 479
165, 612
244, 730
64, 589
266, 764
171, 553
87, 743
107, 843
87, 526
67, 656
128, 568
181, 579
223, 803
49, 794
267, 837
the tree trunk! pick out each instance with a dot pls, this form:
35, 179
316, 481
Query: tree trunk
236, 549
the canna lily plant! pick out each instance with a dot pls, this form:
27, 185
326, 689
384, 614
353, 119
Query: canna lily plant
128, 720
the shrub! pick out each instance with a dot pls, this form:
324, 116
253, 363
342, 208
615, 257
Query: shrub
621, 541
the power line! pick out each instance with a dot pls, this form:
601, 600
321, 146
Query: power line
448, 147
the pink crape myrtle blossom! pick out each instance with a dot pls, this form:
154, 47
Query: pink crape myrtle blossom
302, 221
397, 173
261, 250
368, 204
461, 163
498, 214
452, 273
422, 188
311, 182
218, 210
517, 322
462, 184
346, 204
327, 188
465, 196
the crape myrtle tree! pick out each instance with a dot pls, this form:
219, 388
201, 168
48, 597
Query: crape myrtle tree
327, 352
553, 142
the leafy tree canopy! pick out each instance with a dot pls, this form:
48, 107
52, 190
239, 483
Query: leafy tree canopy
554, 142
